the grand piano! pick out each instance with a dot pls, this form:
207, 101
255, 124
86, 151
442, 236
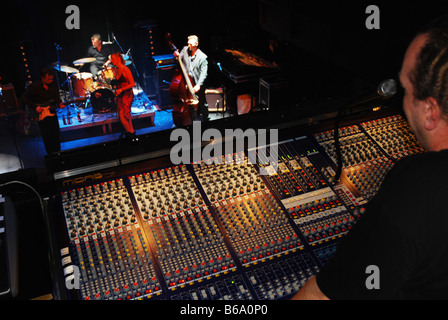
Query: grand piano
242, 72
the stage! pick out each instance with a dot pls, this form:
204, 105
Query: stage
81, 120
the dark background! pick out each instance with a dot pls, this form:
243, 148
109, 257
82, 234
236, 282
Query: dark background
323, 46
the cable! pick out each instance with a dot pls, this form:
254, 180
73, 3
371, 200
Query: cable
120, 139
30, 187
43, 212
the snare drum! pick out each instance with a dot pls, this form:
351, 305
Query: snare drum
102, 98
81, 83
108, 74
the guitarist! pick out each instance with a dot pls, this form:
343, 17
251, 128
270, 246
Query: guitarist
42, 98
195, 62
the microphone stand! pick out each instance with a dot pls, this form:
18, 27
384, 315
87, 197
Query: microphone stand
386, 89
223, 97
122, 51
58, 48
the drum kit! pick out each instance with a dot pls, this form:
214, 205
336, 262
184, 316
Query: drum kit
94, 90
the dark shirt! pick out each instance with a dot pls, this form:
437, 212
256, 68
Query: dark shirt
402, 233
36, 95
101, 56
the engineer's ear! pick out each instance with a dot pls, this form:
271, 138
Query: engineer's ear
432, 113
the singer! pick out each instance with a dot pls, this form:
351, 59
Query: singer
123, 83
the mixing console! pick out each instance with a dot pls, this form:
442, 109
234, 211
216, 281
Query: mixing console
394, 136
252, 218
187, 242
106, 242
217, 229
369, 151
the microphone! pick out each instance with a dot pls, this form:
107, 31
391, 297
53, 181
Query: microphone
219, 66
386, 89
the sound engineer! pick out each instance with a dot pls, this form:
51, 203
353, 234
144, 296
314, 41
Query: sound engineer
402, 233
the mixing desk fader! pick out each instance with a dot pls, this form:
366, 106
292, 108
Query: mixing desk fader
252, 218
369, 150
217, 228
107, 245
394, 136
187, 242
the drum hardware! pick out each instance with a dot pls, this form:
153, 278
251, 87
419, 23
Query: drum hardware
107, 75
82, 61
70, 73
64, 68
127, 57
102, 98
81, 87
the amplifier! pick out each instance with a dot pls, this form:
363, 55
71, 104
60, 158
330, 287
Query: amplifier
164, 60
215, 100
8, 99
164, 97
165, 67
273, 91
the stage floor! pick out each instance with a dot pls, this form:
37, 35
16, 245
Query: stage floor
81, 120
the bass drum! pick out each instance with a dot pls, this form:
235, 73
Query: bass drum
81, 83
102, 99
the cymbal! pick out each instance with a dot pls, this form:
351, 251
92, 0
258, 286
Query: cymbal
84, 60
127, 62
64, 68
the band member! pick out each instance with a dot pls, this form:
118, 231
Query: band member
100, 51
42, 98
123, 83
196, 64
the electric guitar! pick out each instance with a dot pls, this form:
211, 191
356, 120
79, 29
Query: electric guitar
49, 107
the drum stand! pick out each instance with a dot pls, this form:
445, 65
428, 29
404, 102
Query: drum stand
66, 118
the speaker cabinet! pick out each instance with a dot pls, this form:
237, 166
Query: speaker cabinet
215, 100
164, 98
273, 92
165, 68
8, 100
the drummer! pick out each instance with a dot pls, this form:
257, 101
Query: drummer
100, 51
